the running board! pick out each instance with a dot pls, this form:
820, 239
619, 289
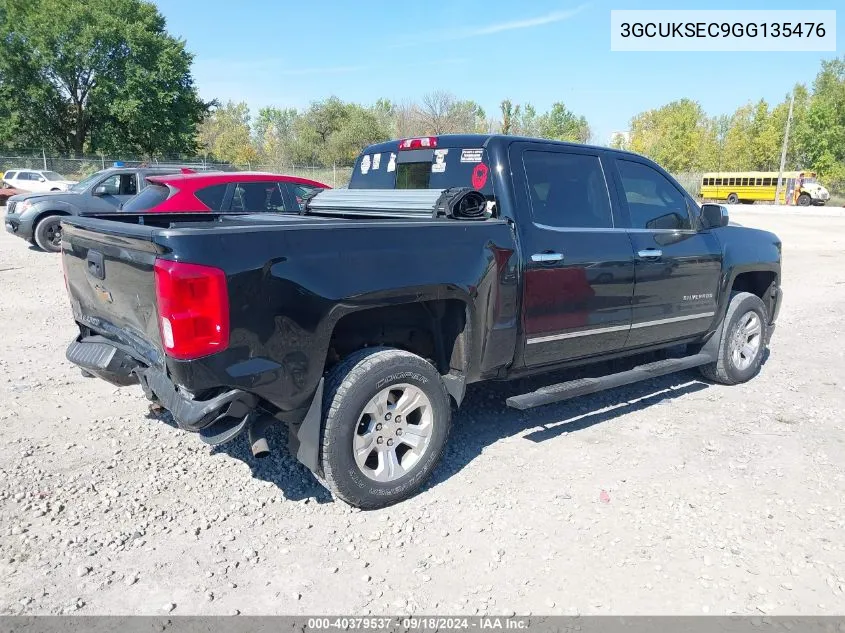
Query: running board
584, 386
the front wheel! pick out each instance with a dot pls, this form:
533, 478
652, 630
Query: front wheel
743, 343
733, 198
48, 233
804, 200
387, 417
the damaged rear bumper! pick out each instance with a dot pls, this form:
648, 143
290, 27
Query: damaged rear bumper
218, 419
109, 361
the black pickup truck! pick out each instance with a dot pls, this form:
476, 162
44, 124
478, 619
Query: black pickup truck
448, 260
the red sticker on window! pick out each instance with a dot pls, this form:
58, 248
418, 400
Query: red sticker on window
479, 175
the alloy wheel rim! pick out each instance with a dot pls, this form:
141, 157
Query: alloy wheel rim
54, 234
746, 340
393, 433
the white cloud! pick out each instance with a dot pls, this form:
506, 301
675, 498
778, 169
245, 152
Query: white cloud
492, 29
322, 70
527, 23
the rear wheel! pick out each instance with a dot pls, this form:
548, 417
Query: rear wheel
743, 343
733, 198
387, 417
804, 200
48, 233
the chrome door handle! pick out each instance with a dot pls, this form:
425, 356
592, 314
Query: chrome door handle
547, 257
650, 253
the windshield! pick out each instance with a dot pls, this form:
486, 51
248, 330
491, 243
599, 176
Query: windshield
85, 183
808, 179
51, 175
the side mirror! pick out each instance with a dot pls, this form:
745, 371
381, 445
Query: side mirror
671, 221
713, 216
100, 191
42, 179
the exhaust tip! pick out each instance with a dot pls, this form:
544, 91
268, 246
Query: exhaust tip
260, 449
258, 441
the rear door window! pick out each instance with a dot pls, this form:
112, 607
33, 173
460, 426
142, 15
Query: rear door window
212, 196
128, 185
258, 197
150, 197
567, 190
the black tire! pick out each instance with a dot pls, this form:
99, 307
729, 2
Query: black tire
350, 387
804, 200
48, 233
733, 198
725, 370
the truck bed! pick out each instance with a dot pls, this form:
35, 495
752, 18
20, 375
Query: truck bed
290, 279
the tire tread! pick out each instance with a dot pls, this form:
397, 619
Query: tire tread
341, 379
718, 371
40, 237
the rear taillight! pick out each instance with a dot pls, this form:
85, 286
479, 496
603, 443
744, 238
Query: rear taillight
193, 309
425, 142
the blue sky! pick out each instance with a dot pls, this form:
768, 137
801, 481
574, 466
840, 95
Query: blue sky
288, 54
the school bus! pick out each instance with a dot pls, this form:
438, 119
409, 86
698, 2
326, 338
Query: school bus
748, 187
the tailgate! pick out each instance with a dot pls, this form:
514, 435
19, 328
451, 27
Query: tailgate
109, 271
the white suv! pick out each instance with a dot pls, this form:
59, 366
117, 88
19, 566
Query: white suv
36, 180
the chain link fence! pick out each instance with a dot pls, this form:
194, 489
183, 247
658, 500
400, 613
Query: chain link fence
79, 168
335, 176
691, 181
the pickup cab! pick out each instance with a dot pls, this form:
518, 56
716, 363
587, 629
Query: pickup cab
37, 217
448, 260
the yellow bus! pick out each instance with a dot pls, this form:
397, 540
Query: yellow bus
748, 187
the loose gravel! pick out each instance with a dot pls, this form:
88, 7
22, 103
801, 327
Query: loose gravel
667, 497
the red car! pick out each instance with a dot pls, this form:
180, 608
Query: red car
200, 192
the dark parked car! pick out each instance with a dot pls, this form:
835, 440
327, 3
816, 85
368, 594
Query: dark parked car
360, 322
36, 217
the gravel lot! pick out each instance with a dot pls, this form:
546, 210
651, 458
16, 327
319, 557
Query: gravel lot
667, 497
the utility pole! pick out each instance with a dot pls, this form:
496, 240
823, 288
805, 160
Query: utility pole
785, 145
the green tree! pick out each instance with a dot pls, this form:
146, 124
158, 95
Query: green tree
274, 134
738, 149
99, 75
361, 127
528, 122
226, 134
562, 124
332, 132
796, 156
679, 136
510, 116
822, 136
